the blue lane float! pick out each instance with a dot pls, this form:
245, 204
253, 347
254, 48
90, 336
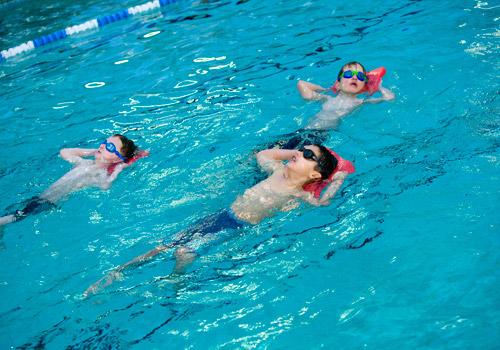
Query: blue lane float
89, 25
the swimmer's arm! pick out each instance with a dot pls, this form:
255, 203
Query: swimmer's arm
309, 91
332, 189
330, 192
387, 95
115, 274
108, 180
271, 159
75, 155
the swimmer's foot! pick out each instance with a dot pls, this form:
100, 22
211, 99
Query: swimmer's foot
103, 283
7, 219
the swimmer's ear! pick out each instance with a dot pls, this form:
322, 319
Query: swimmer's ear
336, 86
314, 176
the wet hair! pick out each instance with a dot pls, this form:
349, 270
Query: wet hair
129, 148
350, 64
328, 162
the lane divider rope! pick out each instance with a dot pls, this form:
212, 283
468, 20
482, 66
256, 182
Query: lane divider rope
92, 24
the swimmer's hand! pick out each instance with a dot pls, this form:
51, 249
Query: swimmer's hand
308, 90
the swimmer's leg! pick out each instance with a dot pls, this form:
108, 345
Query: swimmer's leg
199, 236
303, 138
35, 205
315, 137
288, 141
292, 143
116, 274
184, 257
199, 233
7, 219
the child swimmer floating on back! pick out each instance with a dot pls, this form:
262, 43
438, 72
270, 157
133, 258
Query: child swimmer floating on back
350, 82
279, 192
115, 152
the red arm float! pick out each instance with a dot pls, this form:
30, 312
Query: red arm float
138, 154
374, 78
342, 165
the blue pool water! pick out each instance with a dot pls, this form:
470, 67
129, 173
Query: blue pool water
406, 257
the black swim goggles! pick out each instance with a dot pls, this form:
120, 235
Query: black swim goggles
309, 154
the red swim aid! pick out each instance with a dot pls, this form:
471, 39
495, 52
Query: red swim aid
138, 154
374, 78
342, 165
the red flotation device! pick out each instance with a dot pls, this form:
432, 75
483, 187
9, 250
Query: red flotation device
374, 78
342, 165
138, 154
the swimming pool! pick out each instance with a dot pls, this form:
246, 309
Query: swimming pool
405, 258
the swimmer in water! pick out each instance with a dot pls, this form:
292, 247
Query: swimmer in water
113, 152
289, 171
350, 82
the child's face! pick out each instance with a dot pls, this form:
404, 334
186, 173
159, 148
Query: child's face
305, 167
353, 84
106, 156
